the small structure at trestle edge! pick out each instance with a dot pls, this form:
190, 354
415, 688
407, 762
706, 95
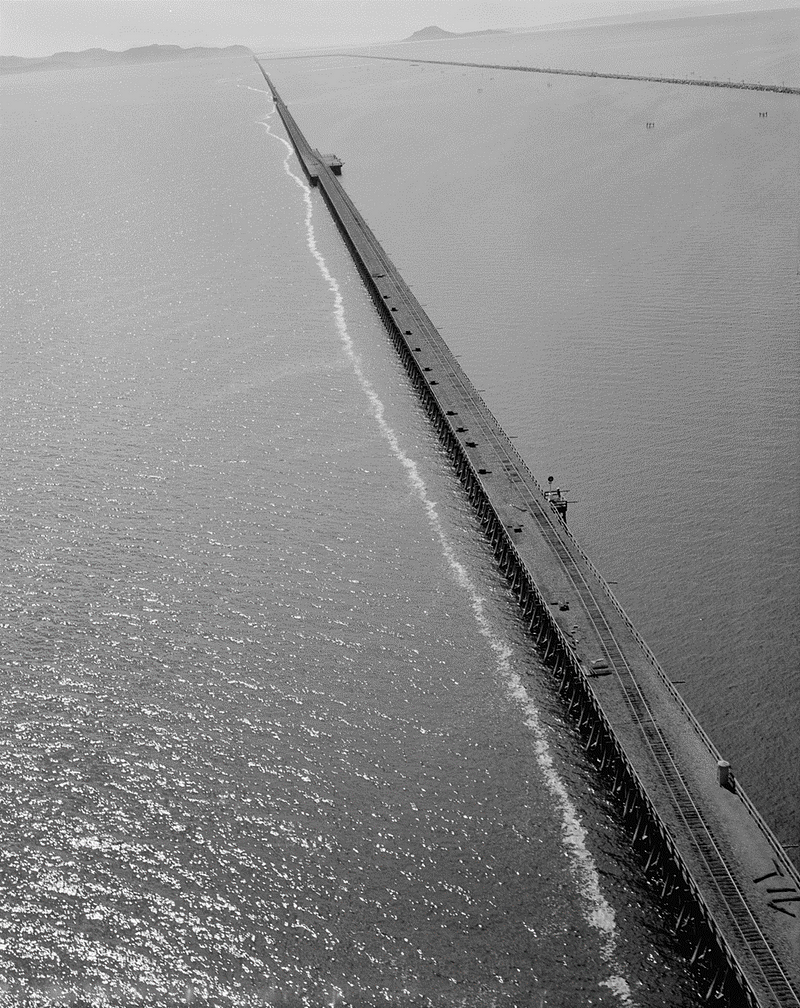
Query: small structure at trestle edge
333, 162
558, 502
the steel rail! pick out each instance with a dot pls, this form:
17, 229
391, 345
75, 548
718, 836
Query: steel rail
446, 358
718, 871
375, 264
684, 81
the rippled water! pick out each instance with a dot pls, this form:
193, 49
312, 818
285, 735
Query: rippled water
271, 733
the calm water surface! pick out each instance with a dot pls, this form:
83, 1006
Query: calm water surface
270, 731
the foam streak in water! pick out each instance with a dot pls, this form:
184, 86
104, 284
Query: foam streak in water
598, 912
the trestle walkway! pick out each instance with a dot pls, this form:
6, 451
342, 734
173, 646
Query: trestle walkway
731, 889
684, 81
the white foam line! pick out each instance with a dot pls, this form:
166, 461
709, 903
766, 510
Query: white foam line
598, 912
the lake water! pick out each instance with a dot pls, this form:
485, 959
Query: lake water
271, 732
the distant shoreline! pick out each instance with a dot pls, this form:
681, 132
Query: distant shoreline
135, 56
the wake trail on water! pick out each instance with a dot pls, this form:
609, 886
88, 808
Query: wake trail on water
597, 911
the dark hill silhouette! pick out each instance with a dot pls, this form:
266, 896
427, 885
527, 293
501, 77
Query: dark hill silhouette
107, 57
434, 32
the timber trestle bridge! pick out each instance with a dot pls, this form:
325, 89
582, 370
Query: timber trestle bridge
731, 890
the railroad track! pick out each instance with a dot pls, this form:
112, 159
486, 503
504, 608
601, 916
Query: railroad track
763, 962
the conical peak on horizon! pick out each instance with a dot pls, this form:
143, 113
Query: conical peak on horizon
434, 32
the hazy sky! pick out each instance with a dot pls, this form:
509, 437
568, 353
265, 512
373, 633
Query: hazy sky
42, 27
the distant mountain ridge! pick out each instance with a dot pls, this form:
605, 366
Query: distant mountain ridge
108, 57
434, 32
